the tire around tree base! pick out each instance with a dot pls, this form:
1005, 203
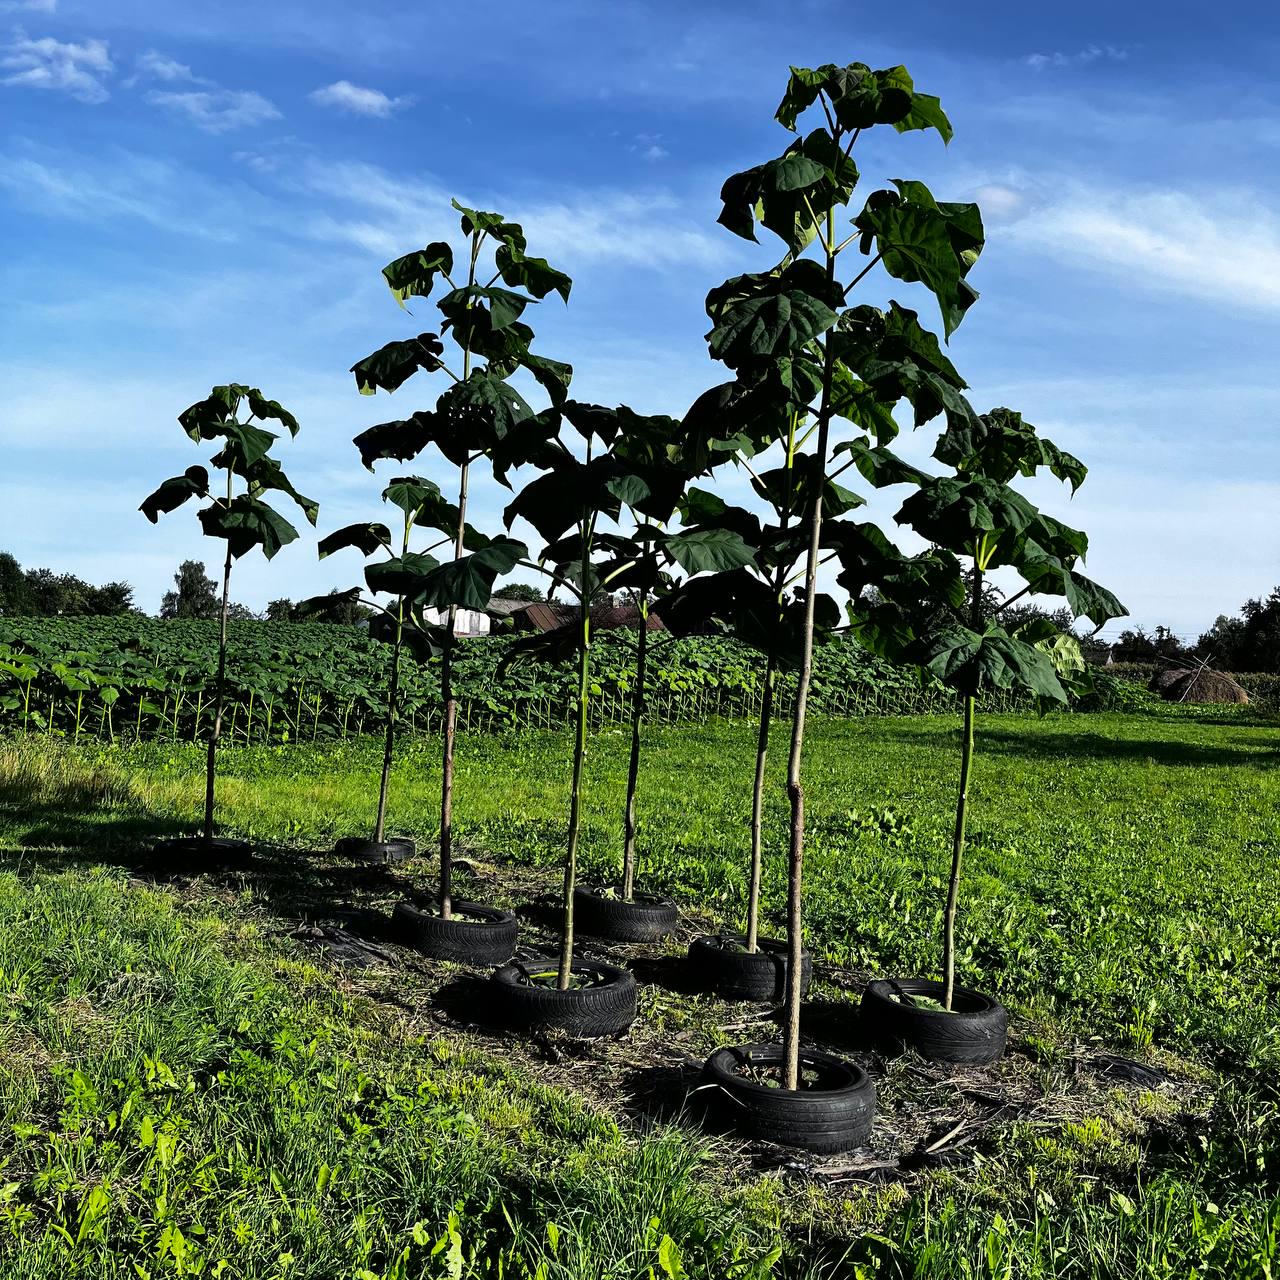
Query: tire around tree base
833, 1113
195, 853
375, 851
484, 941
973, 1034
647, 918
603, 1009
720, 963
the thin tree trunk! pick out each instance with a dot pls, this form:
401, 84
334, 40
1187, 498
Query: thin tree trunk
633, 766
450, 721
757, 810
962, 806
380, 825
957, 855
211, 762
795, 791
579, 756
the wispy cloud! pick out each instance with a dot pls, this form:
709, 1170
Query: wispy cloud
28, 6
77, 69
155, 65
1080, 58
382, 212
345, 96
217, 110
1221, 248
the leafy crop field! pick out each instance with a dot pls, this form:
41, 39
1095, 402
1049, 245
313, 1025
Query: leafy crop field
199, 1079
138, 678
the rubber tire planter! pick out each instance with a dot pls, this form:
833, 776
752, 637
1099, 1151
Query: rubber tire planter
834, 1116
972, 1034
484, 942
195, 853
603, 1009
374, 851
738, 974
648, 918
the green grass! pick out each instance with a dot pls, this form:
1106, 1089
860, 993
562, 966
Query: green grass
179, 1073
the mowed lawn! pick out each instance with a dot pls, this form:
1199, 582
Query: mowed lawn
189, 1088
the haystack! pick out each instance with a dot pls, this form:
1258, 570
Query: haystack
1165, 677
1203, 686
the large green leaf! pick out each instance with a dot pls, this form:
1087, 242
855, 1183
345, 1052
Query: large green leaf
474, 220
919, 239
1086, 598
391, 366
764, 316
880, 465
708, 550
246, 523
400, 575
467, 582
859, 97
971, 661
192, 483
1001, 445
898, 359
554, 376
500, 306
790, 195
926, 113
956, 512
266, 474
366, 538
412, 494
245, 446
536, 275
414, 275
483, 409
402, 439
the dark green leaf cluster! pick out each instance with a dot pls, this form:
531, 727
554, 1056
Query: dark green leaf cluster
244, 520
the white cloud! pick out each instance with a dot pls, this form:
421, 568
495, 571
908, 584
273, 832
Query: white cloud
68, 67
217, 110
1081, 57
649, 228
28, 6
996, 199
1220, 248
155, 65
346, 96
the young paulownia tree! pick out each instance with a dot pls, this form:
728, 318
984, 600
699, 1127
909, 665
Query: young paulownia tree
571, 505
978, 525
789, 335
397, 573
243, 520
478, 417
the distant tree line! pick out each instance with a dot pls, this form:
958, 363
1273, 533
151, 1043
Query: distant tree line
1249, 641
43, 593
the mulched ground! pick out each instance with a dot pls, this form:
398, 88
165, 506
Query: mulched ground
929, 1115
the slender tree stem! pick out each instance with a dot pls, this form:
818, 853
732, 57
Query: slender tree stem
579, 756
757, 808
450, 724
633, 765
957, 855
446, 657
219, 685
795, 791
380, 825
962, 806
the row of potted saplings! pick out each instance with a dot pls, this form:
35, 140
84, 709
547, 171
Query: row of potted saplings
809, 360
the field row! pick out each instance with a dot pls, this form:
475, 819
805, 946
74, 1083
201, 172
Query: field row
141, 678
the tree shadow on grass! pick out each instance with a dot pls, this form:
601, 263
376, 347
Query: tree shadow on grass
1135, 750
1233, 752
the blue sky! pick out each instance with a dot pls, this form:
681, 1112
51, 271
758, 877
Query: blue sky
199, 194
